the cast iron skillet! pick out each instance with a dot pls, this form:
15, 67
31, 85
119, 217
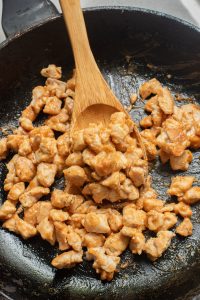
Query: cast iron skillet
124, 41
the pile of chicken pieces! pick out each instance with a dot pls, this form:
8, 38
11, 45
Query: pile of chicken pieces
98, 164
169, 128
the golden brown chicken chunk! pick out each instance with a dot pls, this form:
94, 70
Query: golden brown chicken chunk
96, 222
52, 71
67, 259
185, 227
155, 247
180, 184
116, 243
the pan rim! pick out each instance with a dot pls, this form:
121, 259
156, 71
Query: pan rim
28, 29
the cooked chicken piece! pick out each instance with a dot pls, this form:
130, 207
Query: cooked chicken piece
149, 140
52, 106
128, 190
16, 191
81, 232
96, 222
61, 230
166, 102
63, 144
180, 184
78, 142
147, 191
28, 113
125, 144
42, 131
137, 175
169, 221
92, 138
58, 198
158, 117
10, 224
88, 157
56, 87
151, 104
182, 162
67, 259
37, 212
32, 184
114, 180
76, 220
59, 122
173, 139
114, 220
26, 124
152, 86
27, 199
191, 196
58, 215
164, 157
133, 217
7, 209
137, 242
74, 159
146, 122
25, 147
155, 220
17, 225
11, 177
61, 199
44, 210
25, 229
93, 240
39, 94
152, 204
46, 174
100, 192
129, 231
59, 162
155, 247
116, 244
47, 150
52, 71
185, 227
47, 231
168, 207
133, 98
183, 210
189, 115
75, 175
68, 102
25, 169
86, 207
121, 127
74, 202
74, 239
105, 265
105, 164
3, 148
14, 141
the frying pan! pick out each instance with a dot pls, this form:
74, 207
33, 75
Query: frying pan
131, 46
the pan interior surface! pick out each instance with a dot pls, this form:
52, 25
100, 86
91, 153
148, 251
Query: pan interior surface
130, 46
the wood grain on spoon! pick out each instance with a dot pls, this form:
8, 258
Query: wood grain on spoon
94, 100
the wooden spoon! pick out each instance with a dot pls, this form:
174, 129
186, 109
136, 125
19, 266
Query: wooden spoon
94, 100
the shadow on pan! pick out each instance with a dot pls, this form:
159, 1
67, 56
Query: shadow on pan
130, 46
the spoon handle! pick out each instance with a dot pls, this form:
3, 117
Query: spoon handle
74, 20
